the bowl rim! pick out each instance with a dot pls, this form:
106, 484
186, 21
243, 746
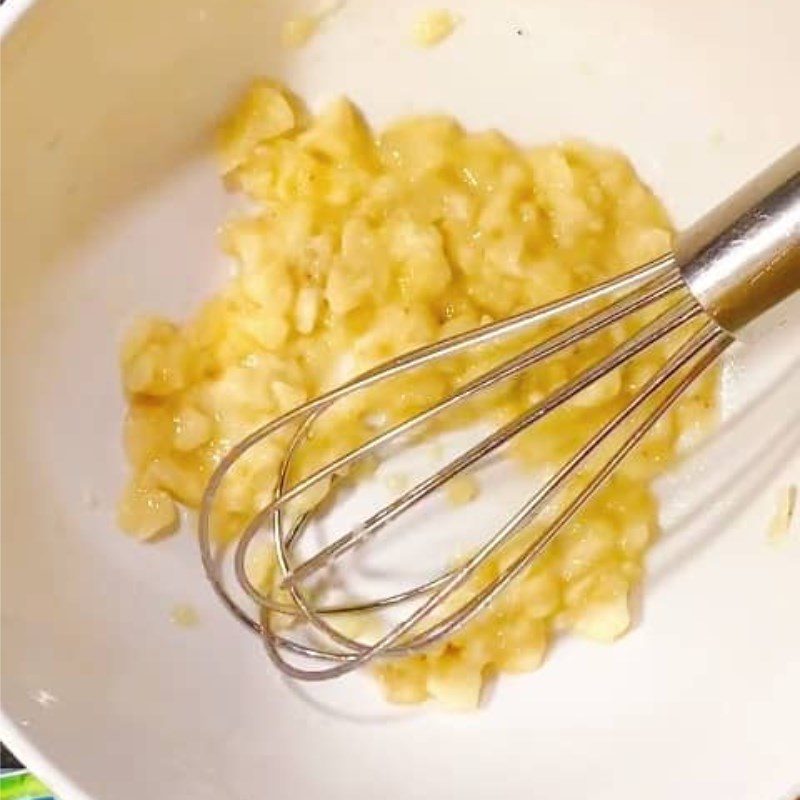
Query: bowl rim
11, 13
13, 736
36, 762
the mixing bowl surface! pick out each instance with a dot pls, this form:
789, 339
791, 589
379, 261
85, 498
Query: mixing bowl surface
110, 205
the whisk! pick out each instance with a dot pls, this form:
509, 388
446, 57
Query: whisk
734, 265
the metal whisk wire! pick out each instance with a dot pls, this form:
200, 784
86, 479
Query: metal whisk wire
731, 267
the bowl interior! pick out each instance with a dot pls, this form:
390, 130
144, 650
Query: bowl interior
110, 205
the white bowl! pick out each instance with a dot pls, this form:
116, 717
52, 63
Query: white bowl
110, 203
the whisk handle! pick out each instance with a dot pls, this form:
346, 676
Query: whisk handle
743, 258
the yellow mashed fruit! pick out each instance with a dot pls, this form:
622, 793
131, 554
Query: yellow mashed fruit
433, 27
358, 247
298, 30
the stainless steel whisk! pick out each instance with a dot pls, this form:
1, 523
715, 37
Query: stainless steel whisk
734, 265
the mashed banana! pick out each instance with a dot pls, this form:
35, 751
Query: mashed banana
433, 27
360, 247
